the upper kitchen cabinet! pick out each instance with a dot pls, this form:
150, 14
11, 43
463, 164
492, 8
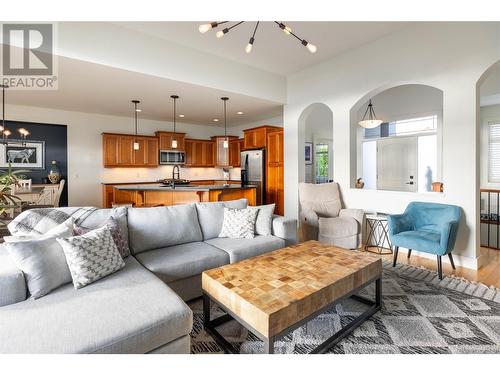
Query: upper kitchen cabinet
199, 153
275, 170
257, 137
118, 151
165, 140
235, 148
222, 154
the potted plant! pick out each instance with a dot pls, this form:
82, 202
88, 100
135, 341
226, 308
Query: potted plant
9, 179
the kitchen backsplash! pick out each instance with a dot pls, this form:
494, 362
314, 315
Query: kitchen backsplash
117, 175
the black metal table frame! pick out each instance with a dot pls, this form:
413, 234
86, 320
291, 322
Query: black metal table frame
373, 224
210, 325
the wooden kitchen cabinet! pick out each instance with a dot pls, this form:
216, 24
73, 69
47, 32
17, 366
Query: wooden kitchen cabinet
257, 137
221, 154
118, 151
235, 148
275, 171
165, 140
199, 153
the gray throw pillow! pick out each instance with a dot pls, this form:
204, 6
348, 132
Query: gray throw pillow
264, 222
120, 238
239, 223
91, 256
43, 263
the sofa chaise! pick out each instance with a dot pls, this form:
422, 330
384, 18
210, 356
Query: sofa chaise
141, 308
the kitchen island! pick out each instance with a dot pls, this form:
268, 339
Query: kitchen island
150, 195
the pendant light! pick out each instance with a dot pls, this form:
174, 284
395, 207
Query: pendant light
226, 141
6, 132
370, 122
174, 139
136, 110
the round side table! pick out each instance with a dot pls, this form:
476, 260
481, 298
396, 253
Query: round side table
377, 240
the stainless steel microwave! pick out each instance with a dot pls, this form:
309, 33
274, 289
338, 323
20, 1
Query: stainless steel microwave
172, 157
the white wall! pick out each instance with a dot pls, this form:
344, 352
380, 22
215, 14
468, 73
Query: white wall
85, 165
448, 56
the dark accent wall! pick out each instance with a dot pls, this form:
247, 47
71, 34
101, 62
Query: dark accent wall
56, 148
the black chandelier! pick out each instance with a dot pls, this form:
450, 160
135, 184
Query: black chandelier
286, 29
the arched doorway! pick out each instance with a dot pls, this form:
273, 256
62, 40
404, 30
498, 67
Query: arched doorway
488, 126
315, 140
403, 153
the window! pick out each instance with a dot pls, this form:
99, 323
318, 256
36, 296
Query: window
413, 125
410, 126
321, 158
494, 152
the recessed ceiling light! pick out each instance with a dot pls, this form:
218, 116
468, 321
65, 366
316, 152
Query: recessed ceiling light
239, 113
181, 116
215, 120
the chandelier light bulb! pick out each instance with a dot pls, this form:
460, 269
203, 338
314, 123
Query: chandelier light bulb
287, 30
311, 47
220, 34
205, 27
249, 46
7, 132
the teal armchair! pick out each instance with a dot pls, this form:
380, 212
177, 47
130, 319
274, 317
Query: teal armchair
427, 227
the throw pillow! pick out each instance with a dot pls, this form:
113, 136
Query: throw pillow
120, 238
264, 222
61, 230
43, 263
239, 223
91, 256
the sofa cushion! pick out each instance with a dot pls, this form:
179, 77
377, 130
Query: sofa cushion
157, 227
264, 222
12, 284
243, 248
131, 311
211, 215
181, 261
119, 236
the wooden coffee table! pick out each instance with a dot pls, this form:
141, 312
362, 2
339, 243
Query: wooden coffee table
275, 293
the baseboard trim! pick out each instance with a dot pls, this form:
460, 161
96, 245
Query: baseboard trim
460, 260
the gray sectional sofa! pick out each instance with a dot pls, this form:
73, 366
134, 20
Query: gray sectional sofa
141, 308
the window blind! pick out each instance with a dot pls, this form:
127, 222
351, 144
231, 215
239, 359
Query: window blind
494, 153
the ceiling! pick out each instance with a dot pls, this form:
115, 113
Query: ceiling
273, 50
93, 88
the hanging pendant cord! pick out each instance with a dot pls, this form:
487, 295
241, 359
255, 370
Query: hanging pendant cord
225, 120
3, 110
255, 30
174, 113
135, 116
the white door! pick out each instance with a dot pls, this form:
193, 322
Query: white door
397, 164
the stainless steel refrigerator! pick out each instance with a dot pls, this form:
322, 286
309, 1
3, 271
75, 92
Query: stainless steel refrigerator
253, 168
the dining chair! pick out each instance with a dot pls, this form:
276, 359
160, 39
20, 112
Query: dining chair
55, 202
24, 184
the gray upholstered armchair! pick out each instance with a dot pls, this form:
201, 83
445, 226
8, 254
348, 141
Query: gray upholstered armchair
322, 217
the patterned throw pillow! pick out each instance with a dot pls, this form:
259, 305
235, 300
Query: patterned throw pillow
120, 238
91, 256
239, 223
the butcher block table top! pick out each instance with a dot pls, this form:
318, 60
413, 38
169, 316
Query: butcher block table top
274, 291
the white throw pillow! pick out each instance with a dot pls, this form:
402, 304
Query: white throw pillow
239, 223
91, 256
264, 222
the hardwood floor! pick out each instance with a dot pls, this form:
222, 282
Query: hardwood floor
489, 274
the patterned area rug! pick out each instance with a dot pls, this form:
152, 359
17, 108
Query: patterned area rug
420, 314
